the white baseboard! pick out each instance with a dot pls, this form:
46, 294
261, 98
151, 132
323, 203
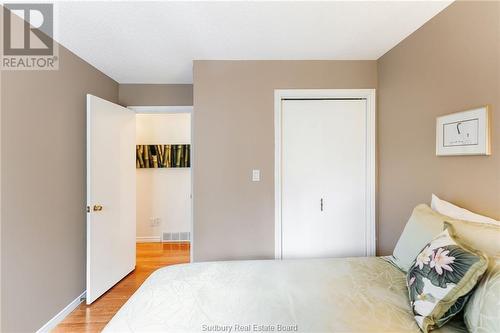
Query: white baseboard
61, 315
149, 239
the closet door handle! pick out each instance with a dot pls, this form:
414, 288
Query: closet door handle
321, 204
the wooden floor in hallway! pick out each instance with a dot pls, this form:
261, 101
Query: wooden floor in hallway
150, 256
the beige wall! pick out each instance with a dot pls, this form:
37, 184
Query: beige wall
448, 65
156, 94
43, 188
233, 127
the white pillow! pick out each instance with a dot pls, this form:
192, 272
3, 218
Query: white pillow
449, 209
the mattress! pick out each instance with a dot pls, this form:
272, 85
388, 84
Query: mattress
366, 294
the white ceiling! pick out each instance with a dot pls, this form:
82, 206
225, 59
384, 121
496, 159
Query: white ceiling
156, 42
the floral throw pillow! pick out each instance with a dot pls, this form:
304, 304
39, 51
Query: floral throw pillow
441, 279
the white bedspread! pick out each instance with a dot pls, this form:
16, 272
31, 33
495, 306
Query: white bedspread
320, 295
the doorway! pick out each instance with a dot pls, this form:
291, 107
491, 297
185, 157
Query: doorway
120, 182
164, 187
324, 173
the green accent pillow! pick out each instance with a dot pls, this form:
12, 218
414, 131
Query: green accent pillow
441, 279
424, 224
482, 312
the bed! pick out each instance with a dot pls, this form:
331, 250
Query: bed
366, 294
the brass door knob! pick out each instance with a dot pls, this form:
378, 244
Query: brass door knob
97, 208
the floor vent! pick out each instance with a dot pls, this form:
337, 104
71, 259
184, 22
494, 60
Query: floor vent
176, 237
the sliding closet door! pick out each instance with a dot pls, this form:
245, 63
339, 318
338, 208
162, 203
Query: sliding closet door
323, 181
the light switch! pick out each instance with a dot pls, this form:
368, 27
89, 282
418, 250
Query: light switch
256, 175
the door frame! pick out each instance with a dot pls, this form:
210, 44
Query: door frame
169, 109
369, 96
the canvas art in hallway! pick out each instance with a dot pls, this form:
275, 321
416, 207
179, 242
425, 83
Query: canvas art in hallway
163, 156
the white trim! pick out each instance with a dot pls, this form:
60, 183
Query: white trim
192, 157
52, 323
369, 95
161, 109
278, 96
148, 239
88, 188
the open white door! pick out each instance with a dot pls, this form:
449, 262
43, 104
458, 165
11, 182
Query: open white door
111, 195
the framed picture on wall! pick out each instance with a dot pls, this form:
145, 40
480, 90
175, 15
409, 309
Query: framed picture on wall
464, 133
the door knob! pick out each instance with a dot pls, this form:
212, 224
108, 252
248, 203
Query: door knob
97, 208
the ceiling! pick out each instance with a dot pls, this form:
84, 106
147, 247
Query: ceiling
156, 42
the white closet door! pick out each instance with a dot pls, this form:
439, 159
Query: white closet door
324, 165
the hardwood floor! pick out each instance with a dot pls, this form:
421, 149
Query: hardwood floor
150, 256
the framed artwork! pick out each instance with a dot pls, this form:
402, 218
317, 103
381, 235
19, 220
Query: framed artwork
464, 133
163, 156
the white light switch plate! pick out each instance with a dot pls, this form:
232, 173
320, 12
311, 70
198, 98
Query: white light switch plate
256, 175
